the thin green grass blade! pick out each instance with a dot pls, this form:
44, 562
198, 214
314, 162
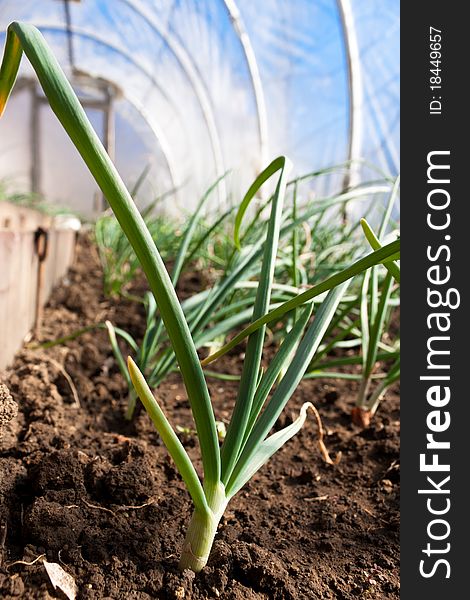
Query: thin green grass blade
374, 399
150, 308
376, 329
207, 235
66, 338
221, 291
394, 373
221, 376
388, 211
352, 360
295, 245
277, 164
277, 364
373, 293
150, 334
190, 229
183, 251
64, 103
9, 67
341, 167
365, 320
147, 211
252, 225
346, 328
375, 244
336, 342
73, 336
140, 180
332, 375
117, 352
170, 439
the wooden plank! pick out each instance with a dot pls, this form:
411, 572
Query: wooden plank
19, 271
18, 277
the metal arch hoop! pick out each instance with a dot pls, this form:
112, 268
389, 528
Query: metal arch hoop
355, 90
191, 72
252, 64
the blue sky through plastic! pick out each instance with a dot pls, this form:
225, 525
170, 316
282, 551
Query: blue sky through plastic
187, 93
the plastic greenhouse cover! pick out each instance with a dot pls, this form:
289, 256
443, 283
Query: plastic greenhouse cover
209, 85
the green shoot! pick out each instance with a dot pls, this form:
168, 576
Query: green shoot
248, 443
363, 323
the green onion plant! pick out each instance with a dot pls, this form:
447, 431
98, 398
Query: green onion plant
363, 322
214, 313
375, 316
248, 443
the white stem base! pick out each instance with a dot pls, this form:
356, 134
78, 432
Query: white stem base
201, 533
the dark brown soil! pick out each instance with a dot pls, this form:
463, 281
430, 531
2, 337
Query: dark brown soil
101, 497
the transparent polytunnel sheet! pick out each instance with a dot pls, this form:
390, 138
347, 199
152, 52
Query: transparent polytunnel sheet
200, 87
378, 35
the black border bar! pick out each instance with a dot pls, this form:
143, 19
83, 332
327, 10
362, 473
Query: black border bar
435, 203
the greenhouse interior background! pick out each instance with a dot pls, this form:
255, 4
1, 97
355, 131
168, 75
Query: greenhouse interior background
181, 92
228, 295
